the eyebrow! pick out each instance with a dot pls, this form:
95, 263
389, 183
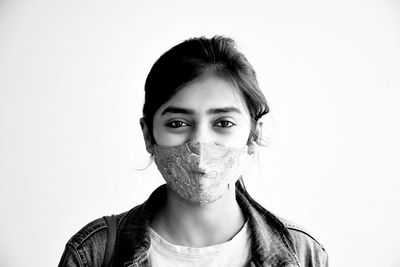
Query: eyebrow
188, 111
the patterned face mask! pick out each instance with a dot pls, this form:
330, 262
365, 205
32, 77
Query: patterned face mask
200, 172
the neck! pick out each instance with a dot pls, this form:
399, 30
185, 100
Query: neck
186, 224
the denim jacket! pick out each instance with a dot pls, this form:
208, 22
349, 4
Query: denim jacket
275, 242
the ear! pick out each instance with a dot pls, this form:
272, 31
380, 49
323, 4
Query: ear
148, 140
253, 144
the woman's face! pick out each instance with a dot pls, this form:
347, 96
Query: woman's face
211, 110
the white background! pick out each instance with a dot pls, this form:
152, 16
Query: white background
71, 90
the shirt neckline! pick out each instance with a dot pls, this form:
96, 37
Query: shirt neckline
201, 251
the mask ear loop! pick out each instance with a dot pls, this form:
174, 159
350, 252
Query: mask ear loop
255, 137
251, 148
147, 136
150, 149
149, 143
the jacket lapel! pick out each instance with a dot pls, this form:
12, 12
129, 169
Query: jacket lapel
133, 238
271, 243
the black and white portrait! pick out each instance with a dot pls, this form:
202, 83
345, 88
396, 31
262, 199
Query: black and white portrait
212, 133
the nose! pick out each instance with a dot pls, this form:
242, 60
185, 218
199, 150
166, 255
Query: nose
199, 139
201, 133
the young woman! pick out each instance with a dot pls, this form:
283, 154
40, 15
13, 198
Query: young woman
201, 125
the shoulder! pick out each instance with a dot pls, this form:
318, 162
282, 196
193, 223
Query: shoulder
95, 229
308, 249
87, 246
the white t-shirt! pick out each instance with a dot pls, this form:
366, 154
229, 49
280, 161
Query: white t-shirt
233, 253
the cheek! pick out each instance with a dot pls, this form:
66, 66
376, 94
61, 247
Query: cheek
163, 137
166, 139
238, 138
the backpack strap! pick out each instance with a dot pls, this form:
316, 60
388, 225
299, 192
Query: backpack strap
111, 237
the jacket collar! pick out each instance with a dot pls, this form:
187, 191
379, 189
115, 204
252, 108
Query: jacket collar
271, 243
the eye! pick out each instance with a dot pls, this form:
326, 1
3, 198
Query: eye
225, 124
177, 124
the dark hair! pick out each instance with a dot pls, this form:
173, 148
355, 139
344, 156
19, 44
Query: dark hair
194, 58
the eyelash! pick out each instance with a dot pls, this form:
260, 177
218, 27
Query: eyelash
171, 124
220, 124
230, 124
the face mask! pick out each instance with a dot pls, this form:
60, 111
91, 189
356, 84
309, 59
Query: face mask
200, 172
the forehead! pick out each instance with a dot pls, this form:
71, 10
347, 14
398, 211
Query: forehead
209, 92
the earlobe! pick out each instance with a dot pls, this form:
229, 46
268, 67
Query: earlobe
251, 148
255, 140
147, 137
